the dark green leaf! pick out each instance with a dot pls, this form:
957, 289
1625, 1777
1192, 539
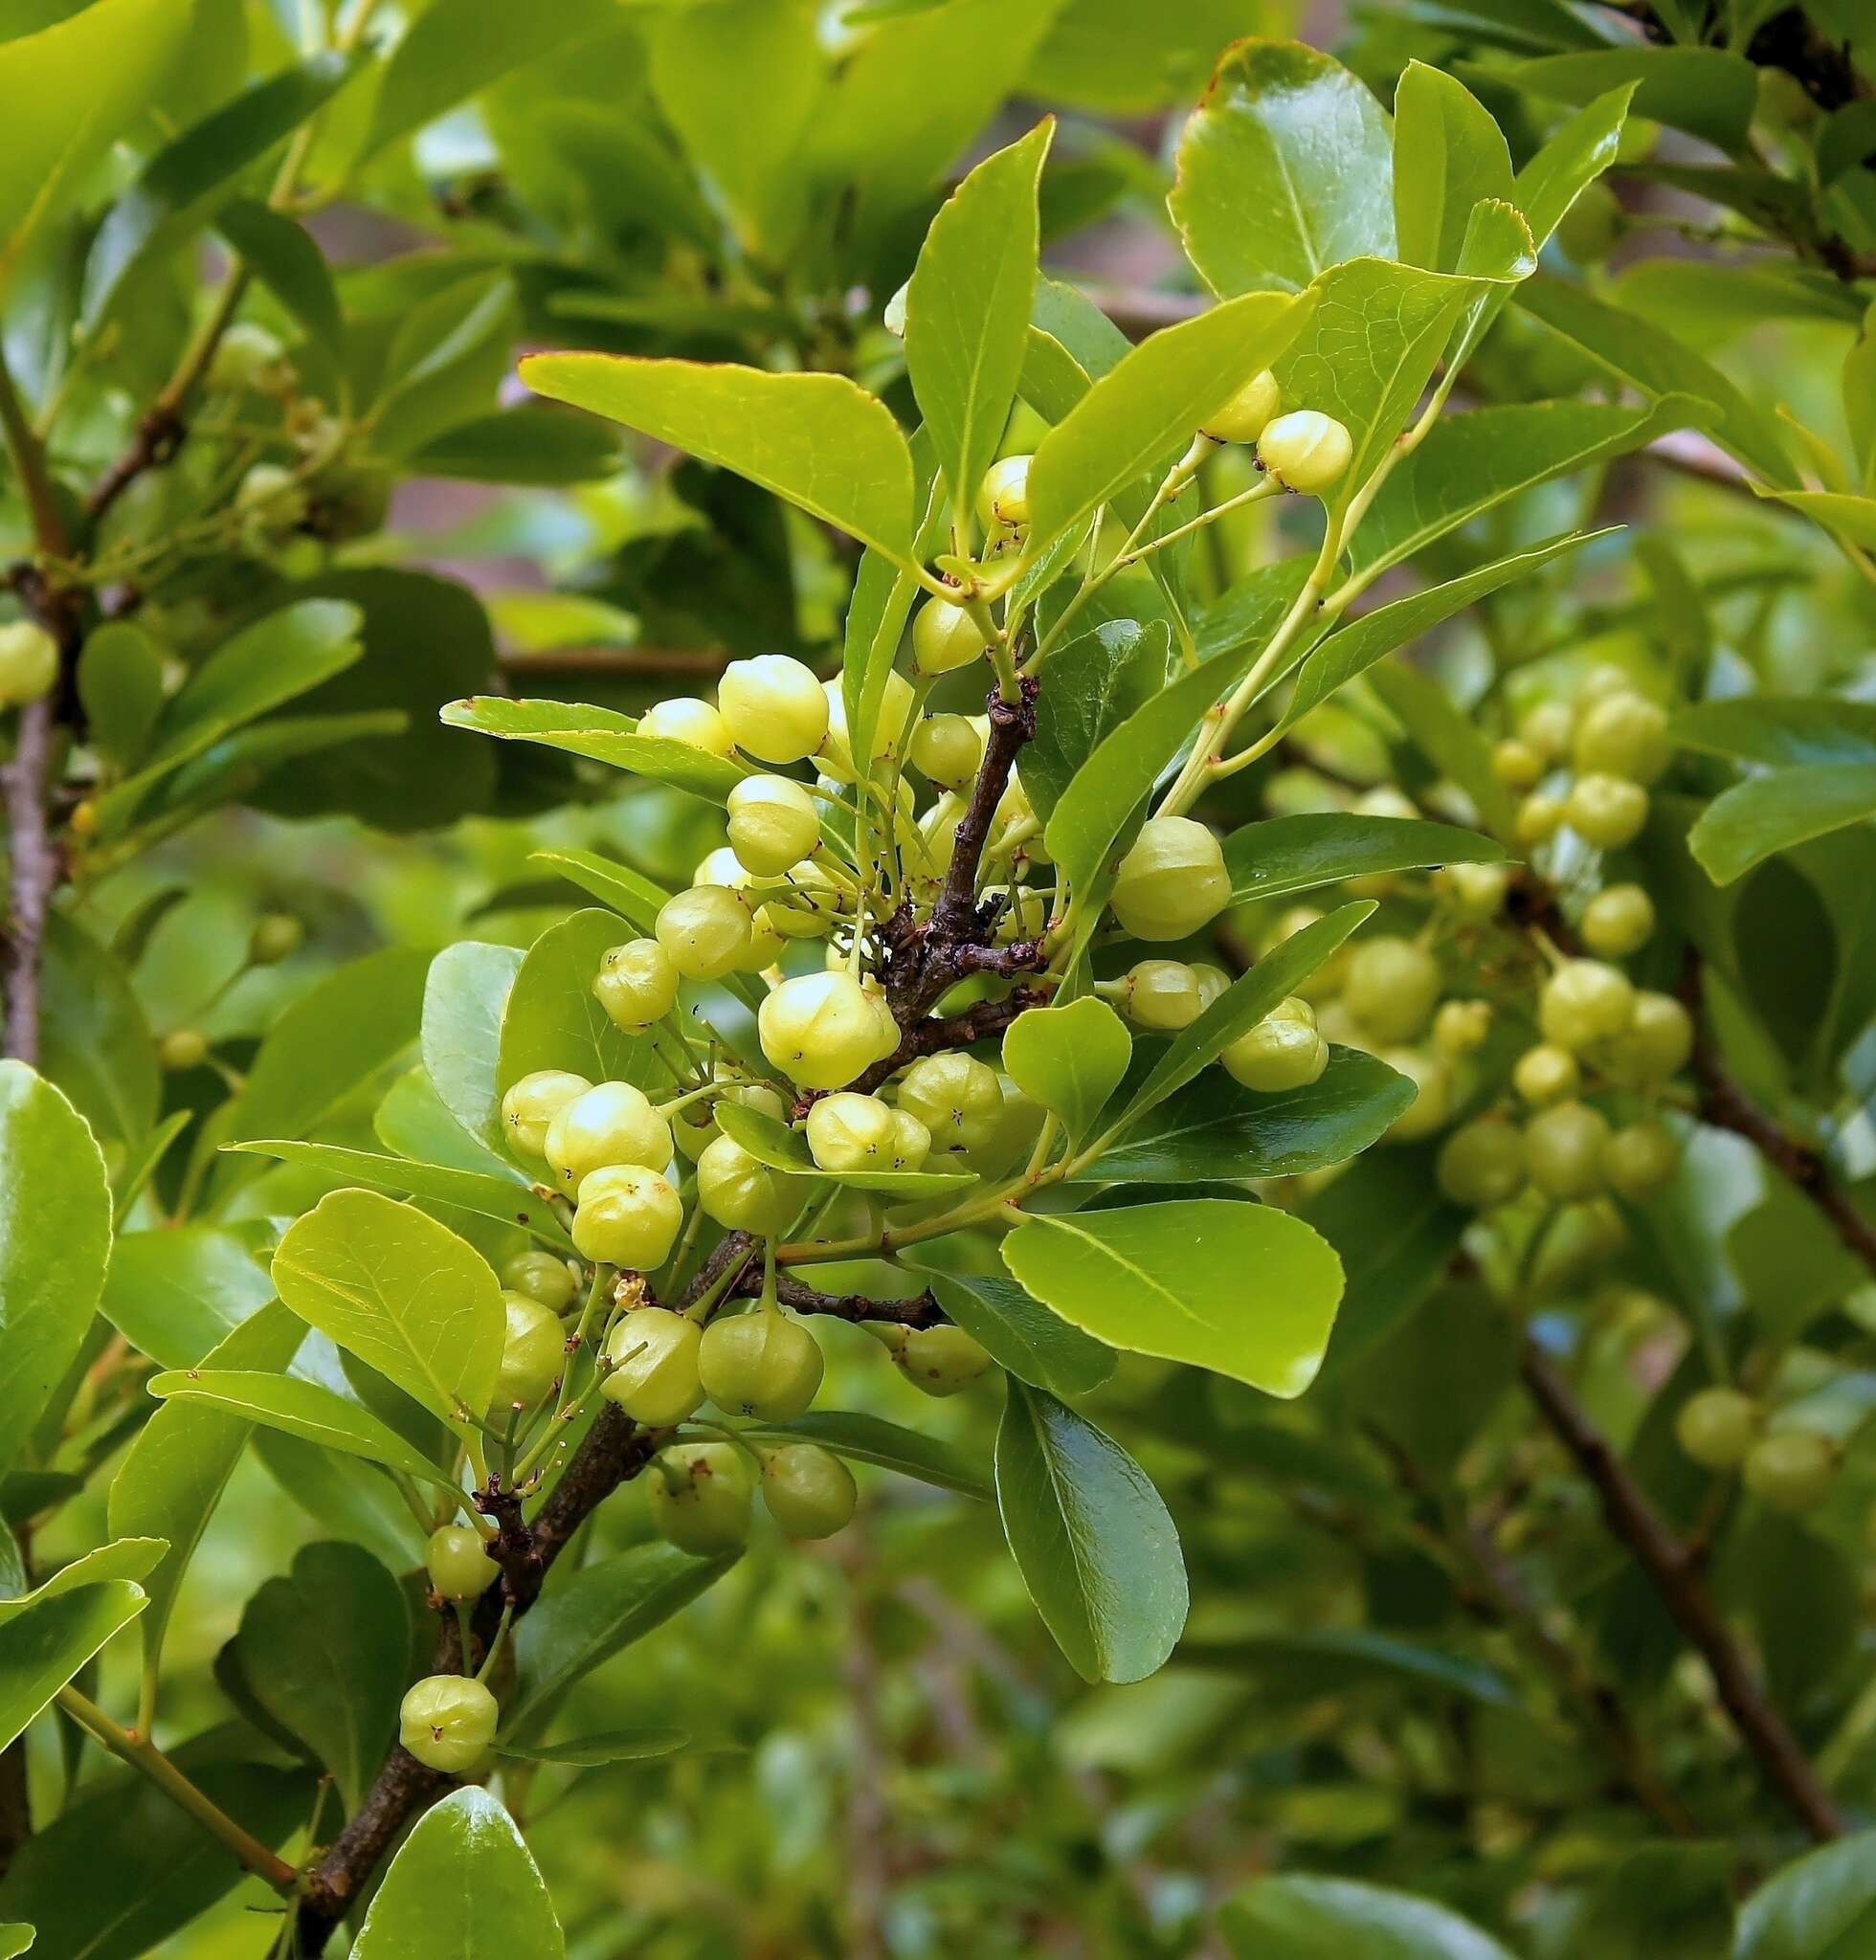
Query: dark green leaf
1300, 853
1034, 1344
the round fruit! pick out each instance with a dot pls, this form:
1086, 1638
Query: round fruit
1639, 1160
1246, 415
699, 1497
183, 1048
835, 753
1540, 818
271, 496
705, 931
1163, 994
1391, 986
1792, 1470
529, 1106
957, 1098
29, 662
637, 985
849, 1132
613, 1123
1547, 729
941, 1361
1214, 981
945, 749
1478, 889
809, 1491
1607, 812
654, 1376
773, 707
277, 935
1563, 1148
1283, 1051
542, 1277
1584, 1002
1718, 1428
458, 1567
1305, 451
627, 1216
806, 905
773, 824
821, 1029
1655, 1045
1618, 922
1432, 1105
1544, 1075
944, 637
533, 1352
761, 1364
1622, 735
1173, 880
248, 357
743, 1194
447, 1721
1516, 763
911, 1140
1462, 1027
1482, 1164
685, 719
1003, 497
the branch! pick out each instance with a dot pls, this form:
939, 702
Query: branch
959, 1031
921, 1311
1675, 1575
1011, 724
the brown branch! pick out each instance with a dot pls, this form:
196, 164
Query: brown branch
1011, 724
976, 1023
34, 872
919, 1311
1676, 1578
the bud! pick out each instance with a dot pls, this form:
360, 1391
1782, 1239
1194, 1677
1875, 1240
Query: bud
1283, 1051
637, 985
685, 718
821, 1029
705, 931
1171, 881
628, 1217
612, 1123
530, 1105
773, 824
1305, 451
1246, 415
773, 707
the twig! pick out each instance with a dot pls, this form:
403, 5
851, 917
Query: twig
976, 1023
921, 1311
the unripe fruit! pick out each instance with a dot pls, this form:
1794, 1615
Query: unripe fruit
1462, 1027
721, 866
773, 824
1173, 880
945, 749
637, 985
533, 1352
1163, 994
944, 637
1433, 1105
1622, 735
889, 728
705, 931
1547, 729
743, 1194
1477, 889
1214, 981
1516, 763
529, 1106
809, 1491
807, 907
1540, 816
628, 1217
1584, 1002
1305, 451
447, 1721
1791, 1470
542, 1277
685, 719
1324, 984
760, 1363
1563, 1148
821, 1030
941, 1361
1655, 1045
1283, 1051
1544, 1074
613, 1123
276, 936
698, 1495
1249, 413
849, 1132
1639, 1160
1619, 920
248, 357
654, 1376
695, 1128
1391, 986
271, 497
1003, 497
773, 707
458, 1567
29, 662
1718, 1428
1607, 812
180, 1048
911, 1140
1482, 1164
957, 1098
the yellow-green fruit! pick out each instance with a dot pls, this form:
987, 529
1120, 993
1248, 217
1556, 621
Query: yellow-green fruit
1326, 981
628, 1217
696, 1126
743, 1194
276, 937
821, 1030
957, 1098
1163, 994
447, 1721
1462, 1027
29, 662
1655, 1044
247, 356
1173, 880
773, 707
685, 719
458, 1567
1540, 816
271, 497
773, 824
542, 1277
699, 1496
1622, 735
1584, 1002
911, 1140
1478, 890
1547, 729
1305, 451
1003, 496
1792, 1470
806, 905
1563, 1150
637, 985
1546, 1074
183, 1048
809, 1491
1214, 981
654, 1374
945, 749
1639, 1160
941, 1361
613, 1123
1607, 812
1392, 988
849, 1132
1516, 763
705, 931
1249, 413
533, 1352
1617, 921
530, 1105
944, 637
1283, 1051
889, 728
1432, 1106
1718, 1428
1482, 1164
760, 1363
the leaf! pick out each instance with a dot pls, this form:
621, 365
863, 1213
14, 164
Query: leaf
1283, 170
324, 1649
1091, 1537
1333, 1657
1141, 416
772, 1142
1579, 152
1849, 517
587, 1618
14, 1940
529, 444
55, 1241
1241, 1289
304, 1409
125, 1560
817, 440
464, 997
1299, 854
615, 1745
1819, 1907
600, 735
281, 254
461, 1887
1448, 153
967, 310
45, 1644
121, 689
1291, 1917
1754, 819
1021, 1335
1662, 1902
1395, 1233
1706, 91
1070, 1059
629, 892
507, 1200
1780, 729
551, 1018
176, 1293
401, 1292
1448, 738
1215, 1128
885, 1445
1096, 680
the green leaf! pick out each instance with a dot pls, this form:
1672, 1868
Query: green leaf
772, 1142
461, 1887
1573, 159
1395, 1234
508, 1200
174, 1472
1448, 153
128, 1560
552, 1020
1238, 1288
1021, 1335
1781, 730
885, 1445
615, 1745
629, 892
1819, 1907
463, 995
1091, 1537
1096, 680
401, 1292
281, 254
1756, 819
14, 1940
817, 440
1706, 91
967, 310
1848, 517
1299, 854
324, 1649
1448, 738
600, 735
44, 1645
344, 1495
304, 1409
1662, 1902
529, 444
121, 689
1328, 1659
94, 1039
1142, 416
1285, 169
411, 1123
1292, 1917
1215, 1128
589, 1615
55, 1241
177, 1292
1070, 1059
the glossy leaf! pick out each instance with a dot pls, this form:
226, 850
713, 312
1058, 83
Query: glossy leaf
1707, 92
772, 1142
1819, 1907
1754, 819
1303, 853
121, 687
601, 736
1394, 1233
618, 1746
283, 258
1289, 1916
629, 892
123, 1560
95, 1038
176, 1294
1096, 680
1448, 153
1333, 1658
1448, 738
886, 1445
1781, 730
1022, 1336
551, 1018
1070, 1059
43, 1645
463, 995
